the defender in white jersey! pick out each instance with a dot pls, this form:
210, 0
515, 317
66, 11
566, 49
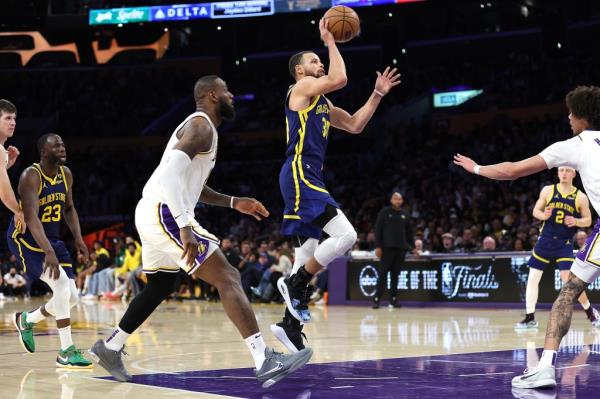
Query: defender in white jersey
581, 153
172, 239
8, 157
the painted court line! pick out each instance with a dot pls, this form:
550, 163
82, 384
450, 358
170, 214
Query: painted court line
471, 375
366, 378
343, 386
463, 361
573, 367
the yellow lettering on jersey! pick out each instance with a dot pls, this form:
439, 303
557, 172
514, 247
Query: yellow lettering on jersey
53, 197
562, 205
322, 109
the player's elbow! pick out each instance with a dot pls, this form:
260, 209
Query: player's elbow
339, 82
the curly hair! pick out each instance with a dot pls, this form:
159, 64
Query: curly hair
584, 103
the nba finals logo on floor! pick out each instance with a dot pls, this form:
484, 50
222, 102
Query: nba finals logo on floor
367, 280
467, 281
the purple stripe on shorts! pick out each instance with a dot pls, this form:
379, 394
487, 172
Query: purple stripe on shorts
170, 225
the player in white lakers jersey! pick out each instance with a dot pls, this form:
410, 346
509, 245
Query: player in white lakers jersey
581, 153
172, 239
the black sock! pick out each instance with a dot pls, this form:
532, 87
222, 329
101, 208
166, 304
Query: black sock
590, 312
301, 278
291, 321
529, 317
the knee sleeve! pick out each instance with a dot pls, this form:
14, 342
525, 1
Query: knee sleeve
341, 238
59, 305
531, 294
74, 298
303, 253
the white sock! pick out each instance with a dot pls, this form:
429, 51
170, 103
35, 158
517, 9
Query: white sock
257, 347
116, 340
36, 316
65, 337
303, 253
548, 358
585, 306
531, 293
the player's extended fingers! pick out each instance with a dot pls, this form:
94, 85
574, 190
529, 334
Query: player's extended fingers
378, 74
262, 210
192, 255
385, 72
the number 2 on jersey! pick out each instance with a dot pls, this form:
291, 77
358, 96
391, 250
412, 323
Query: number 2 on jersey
560, 216
51, 213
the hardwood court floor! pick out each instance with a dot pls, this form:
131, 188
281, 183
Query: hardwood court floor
191, 350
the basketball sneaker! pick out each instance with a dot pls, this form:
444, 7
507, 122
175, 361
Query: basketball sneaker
25, 331
277, 365
289, 335
527, 323
536, 377
593, 316
296, 295
110, 360
522, 393
72, 358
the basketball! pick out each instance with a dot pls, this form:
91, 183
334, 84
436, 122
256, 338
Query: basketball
343, 23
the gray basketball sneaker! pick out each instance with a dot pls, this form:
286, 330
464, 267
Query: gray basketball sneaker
277, 365
537, 377
110, 360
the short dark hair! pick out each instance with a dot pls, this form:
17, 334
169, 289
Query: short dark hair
204, 84
584, 103
296, 59
7, 106
43, 140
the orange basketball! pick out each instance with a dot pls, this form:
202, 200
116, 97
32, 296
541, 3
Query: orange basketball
343, 23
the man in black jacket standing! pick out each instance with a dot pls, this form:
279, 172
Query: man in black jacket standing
394, 236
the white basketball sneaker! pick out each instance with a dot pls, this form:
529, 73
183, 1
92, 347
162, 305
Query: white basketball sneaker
536, 377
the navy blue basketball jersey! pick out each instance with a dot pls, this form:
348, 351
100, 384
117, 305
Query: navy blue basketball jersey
563, 205
307, 134
52, 194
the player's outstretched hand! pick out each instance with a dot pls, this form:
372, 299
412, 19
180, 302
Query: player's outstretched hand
190, 246
386, 80
51, 265
251, 207
326, 35
467, 163
13, 154
83, 250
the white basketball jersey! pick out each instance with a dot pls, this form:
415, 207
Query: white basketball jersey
195, 176
582, 153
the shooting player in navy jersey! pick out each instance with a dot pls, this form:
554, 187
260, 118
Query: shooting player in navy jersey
309, 208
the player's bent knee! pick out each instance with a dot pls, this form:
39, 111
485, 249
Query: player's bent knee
345, 242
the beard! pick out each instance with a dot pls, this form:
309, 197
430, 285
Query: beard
226, 110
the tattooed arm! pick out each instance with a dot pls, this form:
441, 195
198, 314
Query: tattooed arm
562, 310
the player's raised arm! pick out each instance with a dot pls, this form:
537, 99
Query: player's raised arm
356, 123
29, 183
71, 216
335, 79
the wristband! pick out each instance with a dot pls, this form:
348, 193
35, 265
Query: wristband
184, 220
380, 94
231, 202
476, 169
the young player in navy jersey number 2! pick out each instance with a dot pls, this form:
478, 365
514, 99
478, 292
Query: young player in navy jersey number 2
581, 153
563, 208
309, 208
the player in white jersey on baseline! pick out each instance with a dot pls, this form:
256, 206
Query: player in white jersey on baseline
172, 239
581, 153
